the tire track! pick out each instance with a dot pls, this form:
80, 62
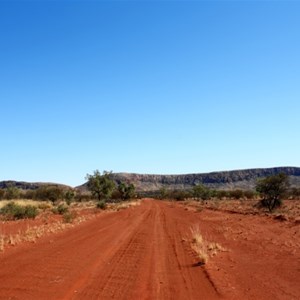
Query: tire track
116, 279
132, 254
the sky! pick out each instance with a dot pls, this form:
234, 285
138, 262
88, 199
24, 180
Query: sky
161, 87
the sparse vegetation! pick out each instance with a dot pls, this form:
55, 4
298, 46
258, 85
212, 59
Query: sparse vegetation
60, 209
13, 211
163, 193
69, 196
68, 217
201, 192
101, 204
49, 193
12, 193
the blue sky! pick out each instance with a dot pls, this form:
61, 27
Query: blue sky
167, 87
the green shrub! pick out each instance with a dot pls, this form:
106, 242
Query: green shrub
101, 204
179, 195
249, 194
220, 194
30, 211
51, 193
201, 192
266, 203
13, 211
69, 196
236, 194
12, 193
60, 209
29, 194
68, 217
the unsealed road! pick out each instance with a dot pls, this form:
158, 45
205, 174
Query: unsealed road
144, 252
137, 253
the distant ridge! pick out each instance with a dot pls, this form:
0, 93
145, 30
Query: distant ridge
236, 179
28, 185
242, 179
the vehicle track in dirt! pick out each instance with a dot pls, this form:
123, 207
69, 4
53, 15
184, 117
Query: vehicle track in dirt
144, 252
137, 253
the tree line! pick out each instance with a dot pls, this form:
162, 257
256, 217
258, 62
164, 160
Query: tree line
269, 191
100, 187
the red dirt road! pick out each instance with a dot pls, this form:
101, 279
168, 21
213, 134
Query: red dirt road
142, 252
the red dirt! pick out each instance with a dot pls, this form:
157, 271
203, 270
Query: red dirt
144, 252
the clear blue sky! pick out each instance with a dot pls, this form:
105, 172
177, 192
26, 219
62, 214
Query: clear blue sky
148, 87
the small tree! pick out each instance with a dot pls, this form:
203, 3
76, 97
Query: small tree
236, 194
179, 195
272, 188
126, 191
201, 192
220, 194
69, 196
100, 185
163, 193
12, 193
51, 193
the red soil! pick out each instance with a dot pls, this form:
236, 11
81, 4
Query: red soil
144, 252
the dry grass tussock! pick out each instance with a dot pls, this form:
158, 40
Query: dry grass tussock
202, 247
24, 202
124, 205
31, 234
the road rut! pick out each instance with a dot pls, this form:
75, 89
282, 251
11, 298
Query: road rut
137, 253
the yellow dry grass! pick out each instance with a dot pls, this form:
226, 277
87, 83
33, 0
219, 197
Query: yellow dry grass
203, 248
124, 205
24, 202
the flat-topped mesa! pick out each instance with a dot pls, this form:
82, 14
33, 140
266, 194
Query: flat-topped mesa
227, 180
242, 179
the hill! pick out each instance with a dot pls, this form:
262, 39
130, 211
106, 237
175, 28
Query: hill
242, 179
227, 180
23, 185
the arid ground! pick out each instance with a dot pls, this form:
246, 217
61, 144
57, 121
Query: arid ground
147, 252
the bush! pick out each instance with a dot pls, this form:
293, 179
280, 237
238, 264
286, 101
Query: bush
12, 193
69, 196
266, 203
52, 193
201, 192
127, 191
236, 194
13, 211
68, 217
30, 212
249, 194
179, 195
101, 204
82, 197
29, 194
60, 209
220, 194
